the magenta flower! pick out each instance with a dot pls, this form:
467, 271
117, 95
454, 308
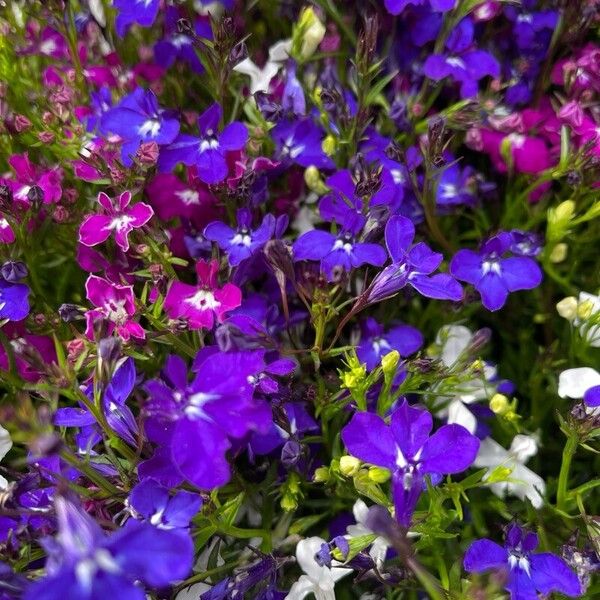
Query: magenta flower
114, 303
7, 235
120, 218
199, 305
28, 175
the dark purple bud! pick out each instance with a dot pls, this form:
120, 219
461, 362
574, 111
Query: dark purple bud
14, 271
574, 178
323, 556
70, 312
109, 352
291, 453
480, 339
270, 110
35, 195
6, 197
238, 53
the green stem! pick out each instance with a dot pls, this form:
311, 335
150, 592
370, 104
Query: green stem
565, 467
90, 473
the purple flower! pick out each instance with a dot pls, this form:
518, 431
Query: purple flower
528, 574
193, 422
405, 448
243, 242
208, 152
118, 415
411, 265
341, 251
142, 12
150, 501
455, 187
199, 305
293, 100
462, 63
299, 141
395, 7
85, 563
14, 300
119, 217
493, 276
116, 304
139, 119
376, 343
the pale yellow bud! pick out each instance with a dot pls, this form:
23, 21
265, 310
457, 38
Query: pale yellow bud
378, 474
349, 465
567, 308
389, 362
312, 178
329, 145
314, 32
499, 404
563, 212
321, 475
559, 253
585, 309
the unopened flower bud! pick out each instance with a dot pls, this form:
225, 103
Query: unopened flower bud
585, 309
378, 474
499, 404
147, 153
70, 312
349, 465
321, 475
389, 363
559, 253
312, 31
329, 145
499, 474
35, 195
14, 271
312, 178
291, 454
6, 197
22, 123
567, 308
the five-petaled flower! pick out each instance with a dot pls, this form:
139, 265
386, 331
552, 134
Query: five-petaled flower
119, 218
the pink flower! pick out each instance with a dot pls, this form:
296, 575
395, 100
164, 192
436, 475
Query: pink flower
7, 235
199, 305
119, 217
26, 176
116, 304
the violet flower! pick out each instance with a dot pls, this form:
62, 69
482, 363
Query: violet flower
208, 152
375, 342
139, 119
200, 305
407, 450
243, 242
411, 265
299, 141
116, 304
119, 217
14, 300
528, 573
395, 7
462, 63
142, 12
494, 276
85, 563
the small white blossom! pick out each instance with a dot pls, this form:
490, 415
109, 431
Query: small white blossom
5, 446
261, 78
379, 546
588, 309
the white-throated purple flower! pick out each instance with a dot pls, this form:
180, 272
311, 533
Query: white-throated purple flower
582, 383
119, 219
409, 452
142, 12
528, 573
139, 119
85, 563
411, 265
300, 142
493, 275
207, 152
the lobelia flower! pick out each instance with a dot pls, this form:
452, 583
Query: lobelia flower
411, 265
116, 304
375, 342
300, 141
523, 482
119, 218
528, 573
335, 251
243, 242
318, 579
462, 63
200, 305
142, 12
5, 446
456, 187
208, 152
14, 300
582, 383
150, 501
85, 563
588, 318
192, 423
395, 7
293, 100
261, 78
380, 545
409, 452
7, 235
139, 119
118, 415
494, 276
27, 176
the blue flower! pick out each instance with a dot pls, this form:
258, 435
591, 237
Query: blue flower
14, 300
527, 573
142, 12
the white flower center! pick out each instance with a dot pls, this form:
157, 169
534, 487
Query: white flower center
454, 61
149, 128
342, 245
491, 265
120, 222
188, 197
241, 239
203, 300
86, 569
209, 144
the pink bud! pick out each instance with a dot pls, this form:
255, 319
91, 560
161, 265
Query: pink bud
61, 214
571, 113
474, 140
147, 153
22, 123
46, 137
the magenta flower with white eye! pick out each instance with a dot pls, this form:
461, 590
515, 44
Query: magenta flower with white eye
119, 218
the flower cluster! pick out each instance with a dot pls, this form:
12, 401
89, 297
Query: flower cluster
299, 299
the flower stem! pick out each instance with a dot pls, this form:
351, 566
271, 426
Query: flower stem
563, 478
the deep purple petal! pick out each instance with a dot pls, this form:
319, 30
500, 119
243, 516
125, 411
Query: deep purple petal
552, 574
451, 449
411, 427
520, 273
483, 555
367, 437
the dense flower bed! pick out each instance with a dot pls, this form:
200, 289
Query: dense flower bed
299, 299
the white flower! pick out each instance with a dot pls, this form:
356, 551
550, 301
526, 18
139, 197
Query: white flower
318, 580
588, 308
261, 78
574, 383
379, 546
5, 446
523, 482
454, 341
